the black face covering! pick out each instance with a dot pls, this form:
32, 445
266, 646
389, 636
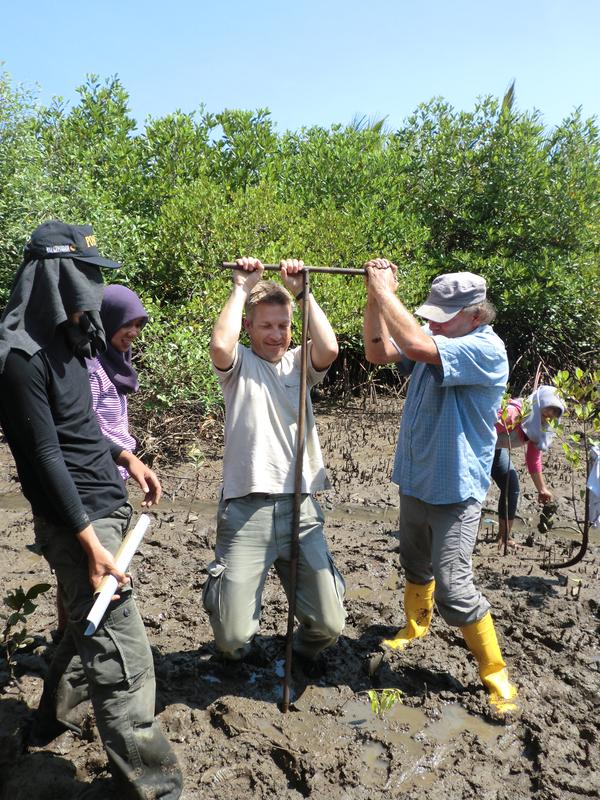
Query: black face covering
85, 338
43, 296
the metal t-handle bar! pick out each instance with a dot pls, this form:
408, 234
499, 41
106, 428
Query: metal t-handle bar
299, 462
305, 268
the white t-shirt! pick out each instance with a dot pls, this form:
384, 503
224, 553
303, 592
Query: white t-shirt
261, 418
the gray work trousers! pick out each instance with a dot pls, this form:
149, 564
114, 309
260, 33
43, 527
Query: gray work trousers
253, 533
437, 542
113, 668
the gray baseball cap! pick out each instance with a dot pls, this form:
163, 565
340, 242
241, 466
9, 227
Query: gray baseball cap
451, 293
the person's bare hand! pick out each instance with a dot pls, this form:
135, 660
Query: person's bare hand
145, 478
150, 485
250, 272
381, 275
291, 274
102, 564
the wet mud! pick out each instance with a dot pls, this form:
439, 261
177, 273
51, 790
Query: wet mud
224, 721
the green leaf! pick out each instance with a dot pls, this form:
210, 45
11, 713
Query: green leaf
29, 607
38, 589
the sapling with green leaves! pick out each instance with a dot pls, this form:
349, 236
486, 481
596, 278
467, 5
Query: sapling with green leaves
196, 457
383, 700
15, 635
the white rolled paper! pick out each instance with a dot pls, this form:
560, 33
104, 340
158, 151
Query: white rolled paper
109, 584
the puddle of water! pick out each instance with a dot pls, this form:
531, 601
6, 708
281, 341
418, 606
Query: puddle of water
279, 666
376, 765
454, 720
210, 679
423, 743
358, 714
15, 501
341, 513
489, 529
200, 507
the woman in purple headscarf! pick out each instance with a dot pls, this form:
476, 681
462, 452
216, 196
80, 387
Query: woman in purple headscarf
111, 373
112, 377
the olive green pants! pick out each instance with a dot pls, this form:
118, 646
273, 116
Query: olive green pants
254, 533
113, 668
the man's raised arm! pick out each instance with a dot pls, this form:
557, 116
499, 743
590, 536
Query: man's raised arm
324, 346
386, 316
226, 331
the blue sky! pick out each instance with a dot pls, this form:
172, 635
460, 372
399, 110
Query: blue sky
311, 63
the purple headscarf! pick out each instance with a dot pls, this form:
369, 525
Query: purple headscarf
119, 306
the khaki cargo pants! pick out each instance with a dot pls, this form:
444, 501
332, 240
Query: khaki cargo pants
254, 533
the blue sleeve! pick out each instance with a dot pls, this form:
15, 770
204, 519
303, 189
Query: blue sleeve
477, 359
405, 366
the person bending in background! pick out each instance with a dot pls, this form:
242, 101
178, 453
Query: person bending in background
67, 470
260, 385
534, 432
458, 369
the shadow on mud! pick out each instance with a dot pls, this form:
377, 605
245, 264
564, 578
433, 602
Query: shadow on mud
38, 774
538, 589
199, 678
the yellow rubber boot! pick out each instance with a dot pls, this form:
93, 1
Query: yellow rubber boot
418, 607
482, 642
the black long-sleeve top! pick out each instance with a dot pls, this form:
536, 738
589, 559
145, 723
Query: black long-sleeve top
65, 465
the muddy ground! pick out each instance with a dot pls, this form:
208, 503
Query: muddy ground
230, 737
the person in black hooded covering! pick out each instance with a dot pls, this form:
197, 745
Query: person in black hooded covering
68, 472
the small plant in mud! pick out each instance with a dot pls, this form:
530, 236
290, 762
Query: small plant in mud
15, 634
196, 457
384, 700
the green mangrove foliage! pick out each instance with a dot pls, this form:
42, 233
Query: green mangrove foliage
15, 634
490, 190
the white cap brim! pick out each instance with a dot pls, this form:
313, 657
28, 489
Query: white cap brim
437, 313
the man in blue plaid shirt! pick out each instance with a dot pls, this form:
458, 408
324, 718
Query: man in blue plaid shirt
458, 369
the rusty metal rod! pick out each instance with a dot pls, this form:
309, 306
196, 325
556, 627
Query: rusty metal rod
306, 268
295, 545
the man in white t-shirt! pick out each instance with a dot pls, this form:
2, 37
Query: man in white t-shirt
255, 517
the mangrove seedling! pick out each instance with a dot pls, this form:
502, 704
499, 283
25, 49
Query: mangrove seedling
15, 635
383, 700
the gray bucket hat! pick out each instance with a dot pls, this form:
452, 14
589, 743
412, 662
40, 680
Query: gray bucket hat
451, 293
